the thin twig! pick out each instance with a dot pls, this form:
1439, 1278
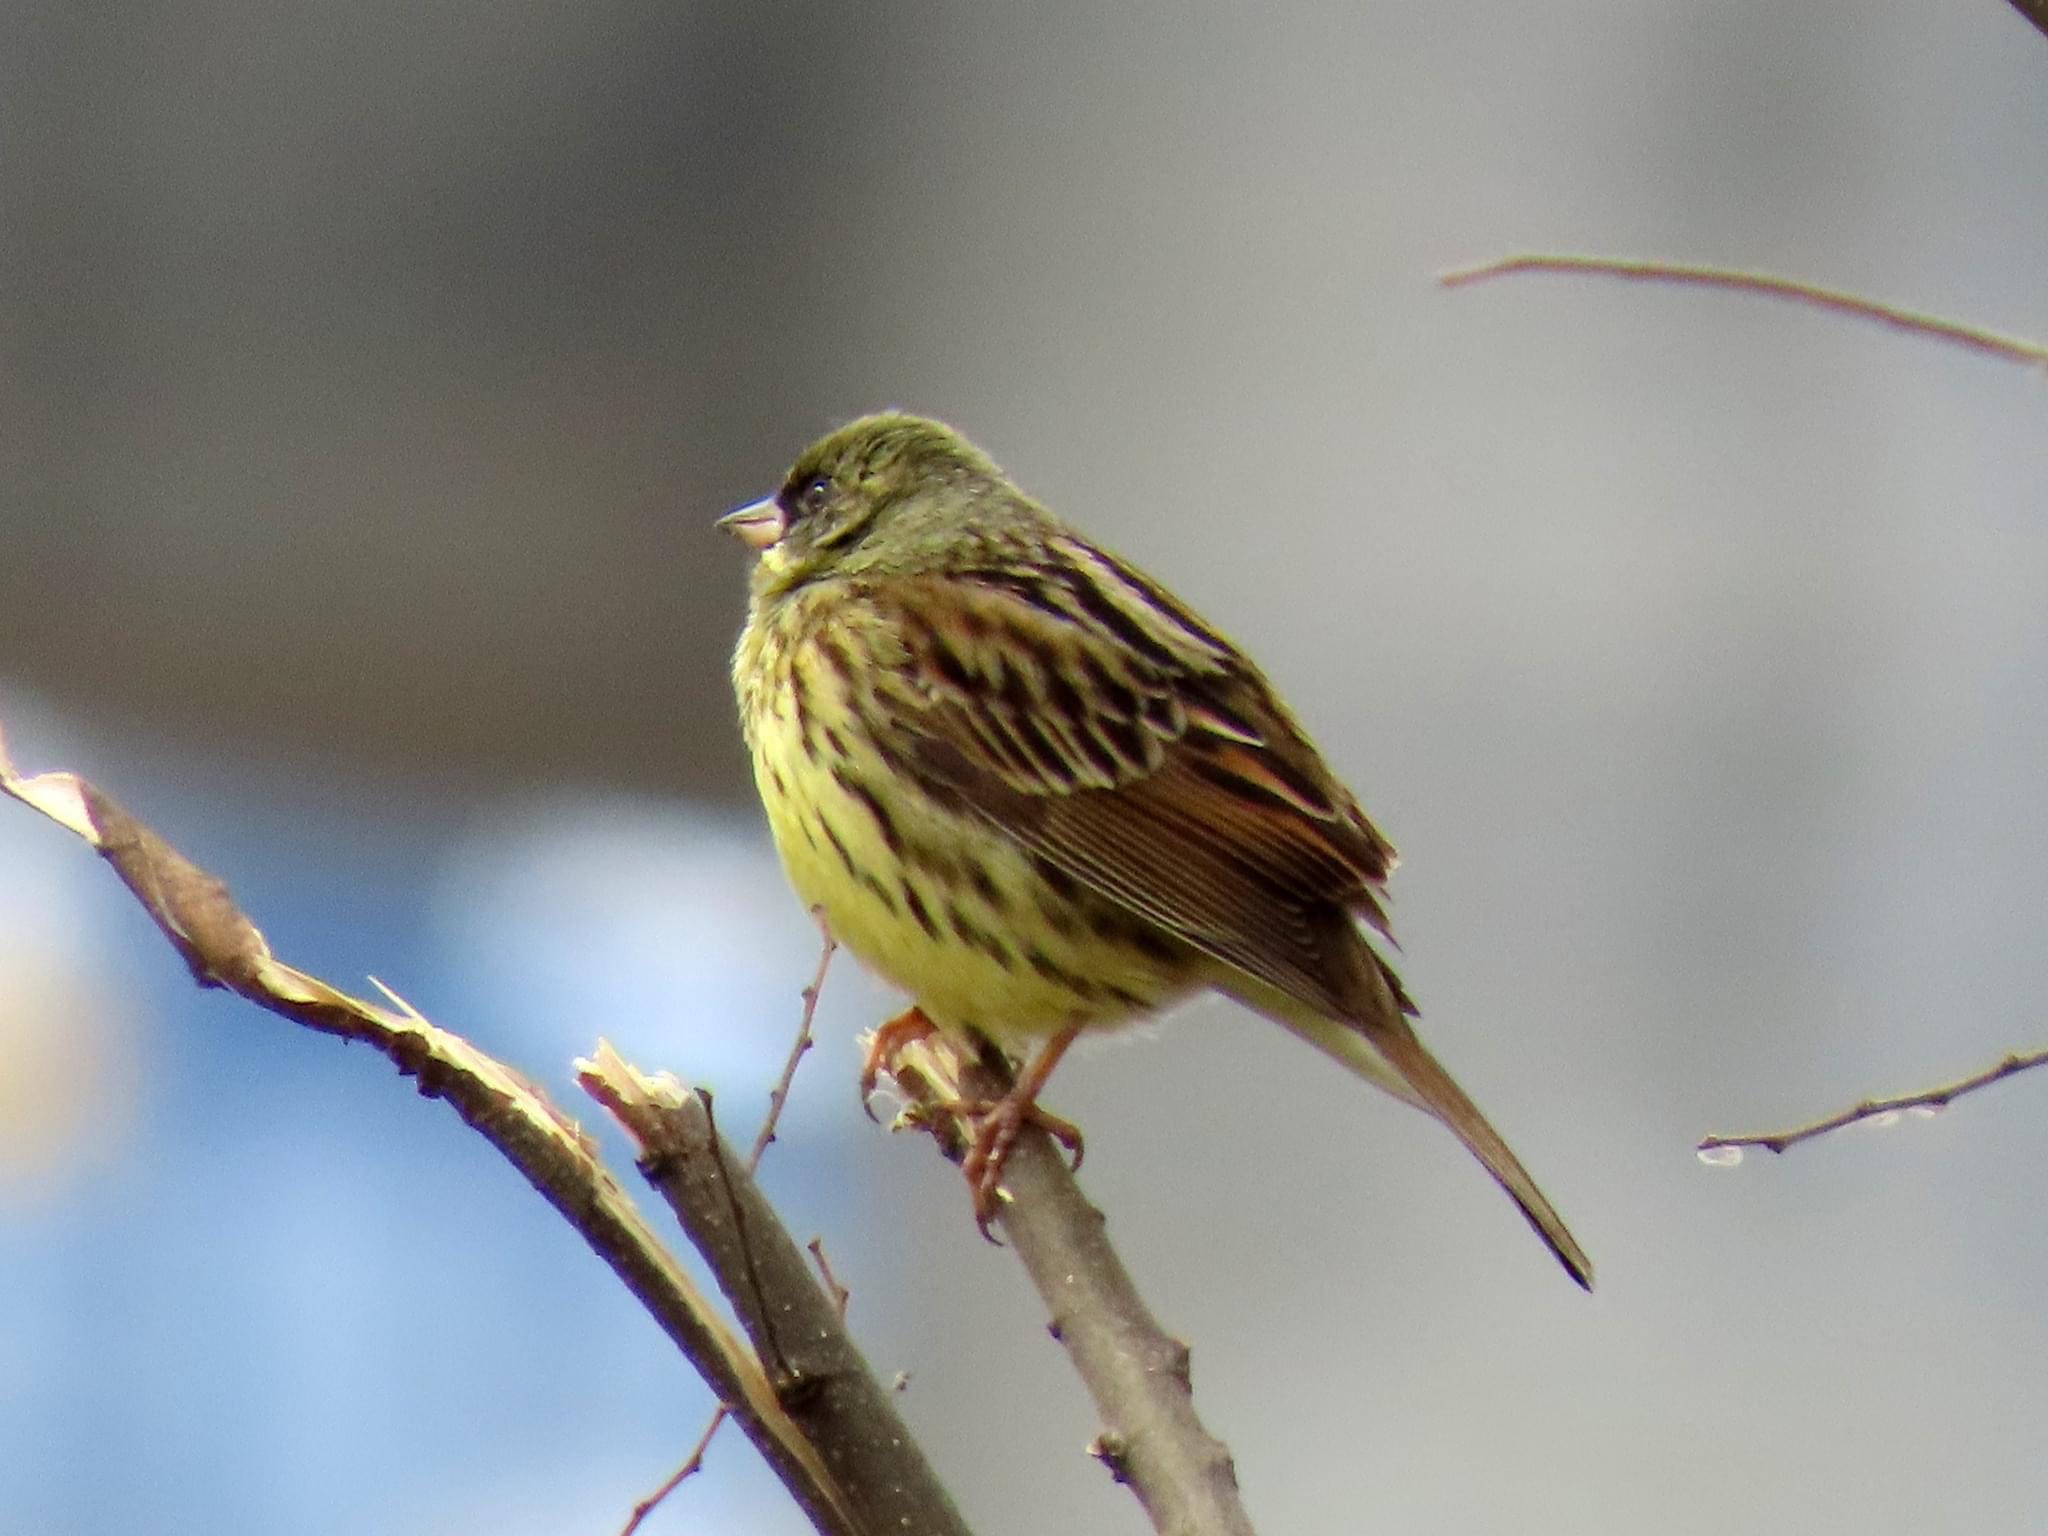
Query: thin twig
1136, 1373
223, 948
2036, 11
1926, 1098
767, 1340
778, 1096
822, 1382
840, 1294
692, 1464
2008, 348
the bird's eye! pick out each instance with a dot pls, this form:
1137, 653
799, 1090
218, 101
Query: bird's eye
815, 495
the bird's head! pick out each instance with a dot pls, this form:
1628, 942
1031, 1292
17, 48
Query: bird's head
888, 494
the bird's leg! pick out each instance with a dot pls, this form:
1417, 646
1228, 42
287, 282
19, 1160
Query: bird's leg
997, 1123
906, 1028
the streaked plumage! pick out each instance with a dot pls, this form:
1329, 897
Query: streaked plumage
1029, 787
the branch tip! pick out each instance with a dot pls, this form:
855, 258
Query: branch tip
1812, 295
1726, 1151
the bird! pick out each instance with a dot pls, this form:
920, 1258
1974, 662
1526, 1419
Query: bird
1026, 785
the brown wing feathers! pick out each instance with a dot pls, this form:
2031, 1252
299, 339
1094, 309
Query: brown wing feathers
1163, 775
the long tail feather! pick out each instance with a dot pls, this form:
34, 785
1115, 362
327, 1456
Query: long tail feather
1389, 1056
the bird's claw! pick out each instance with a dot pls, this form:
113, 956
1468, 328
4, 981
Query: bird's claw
906, 1028
996, 1126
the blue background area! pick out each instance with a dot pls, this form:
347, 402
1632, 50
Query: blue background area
275, 1266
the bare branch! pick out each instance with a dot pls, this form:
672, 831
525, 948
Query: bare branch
223, 948
820, 1379
2007, 348
1136, 1373
1926, 1098
778, 1097
2036, 11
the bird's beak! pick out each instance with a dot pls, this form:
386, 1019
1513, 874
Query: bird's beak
757, 524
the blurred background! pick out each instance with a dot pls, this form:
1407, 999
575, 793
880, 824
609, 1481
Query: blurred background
370, 378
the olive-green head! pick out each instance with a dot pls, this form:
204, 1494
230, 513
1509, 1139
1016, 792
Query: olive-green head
889, 494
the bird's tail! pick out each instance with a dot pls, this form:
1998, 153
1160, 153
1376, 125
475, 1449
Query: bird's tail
1390, 1056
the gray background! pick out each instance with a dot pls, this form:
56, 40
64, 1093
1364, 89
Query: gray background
368, 380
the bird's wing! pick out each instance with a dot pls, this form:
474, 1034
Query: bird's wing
1087, 716
1078, 709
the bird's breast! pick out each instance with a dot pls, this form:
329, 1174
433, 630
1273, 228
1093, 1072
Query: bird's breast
980, 933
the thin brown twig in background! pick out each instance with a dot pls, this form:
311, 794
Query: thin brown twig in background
223, 948
1926, 1098
2007, 348
2036, 11
692, 1465
778, 1096
1152, 1439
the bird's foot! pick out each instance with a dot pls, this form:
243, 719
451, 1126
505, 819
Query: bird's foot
996, 1125
907, 1028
